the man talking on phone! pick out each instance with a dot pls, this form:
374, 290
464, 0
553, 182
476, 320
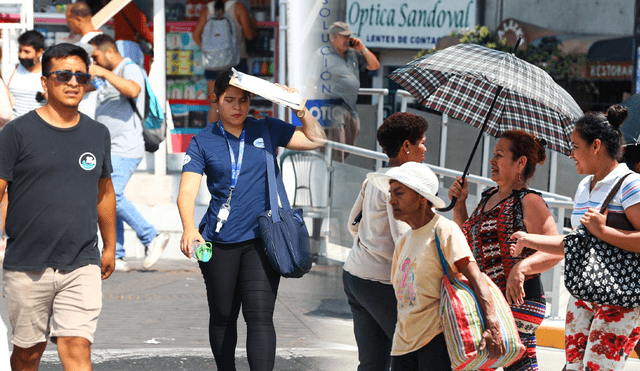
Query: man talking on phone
336, 75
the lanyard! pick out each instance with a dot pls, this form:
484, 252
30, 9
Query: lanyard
235, 166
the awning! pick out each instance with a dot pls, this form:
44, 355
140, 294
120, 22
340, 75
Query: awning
609, 57
612, 49
510, 29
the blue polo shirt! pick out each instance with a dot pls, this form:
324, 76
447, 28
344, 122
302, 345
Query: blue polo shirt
208, 154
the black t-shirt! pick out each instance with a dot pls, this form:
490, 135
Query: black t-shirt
53, 176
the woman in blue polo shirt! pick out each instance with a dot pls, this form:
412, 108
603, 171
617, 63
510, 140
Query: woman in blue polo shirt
238, 274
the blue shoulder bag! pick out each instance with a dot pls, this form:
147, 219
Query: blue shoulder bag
282, 229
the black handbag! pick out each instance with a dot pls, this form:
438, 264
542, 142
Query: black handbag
282, 230
598, 272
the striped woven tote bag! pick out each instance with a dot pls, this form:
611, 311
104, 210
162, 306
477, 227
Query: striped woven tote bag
463, 323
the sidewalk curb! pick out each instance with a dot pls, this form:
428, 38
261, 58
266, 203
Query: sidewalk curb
551, 334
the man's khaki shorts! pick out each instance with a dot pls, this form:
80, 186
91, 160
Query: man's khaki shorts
72, 301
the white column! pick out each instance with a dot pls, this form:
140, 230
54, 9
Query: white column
283, 29
158, 76
308, 24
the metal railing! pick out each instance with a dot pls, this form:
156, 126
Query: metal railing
380, 93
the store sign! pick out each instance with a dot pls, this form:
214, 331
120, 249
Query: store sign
409, 24
326, 111
610, 70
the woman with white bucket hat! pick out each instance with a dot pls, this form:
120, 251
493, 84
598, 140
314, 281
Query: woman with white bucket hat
366, 275
418, 342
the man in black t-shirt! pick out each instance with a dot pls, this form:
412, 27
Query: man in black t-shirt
56, 163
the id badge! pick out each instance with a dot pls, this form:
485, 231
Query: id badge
223, 215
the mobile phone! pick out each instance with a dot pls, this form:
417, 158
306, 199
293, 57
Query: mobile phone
352, 42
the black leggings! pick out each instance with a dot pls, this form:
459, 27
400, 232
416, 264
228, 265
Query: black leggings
239, 275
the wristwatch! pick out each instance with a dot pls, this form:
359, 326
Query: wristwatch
300, 113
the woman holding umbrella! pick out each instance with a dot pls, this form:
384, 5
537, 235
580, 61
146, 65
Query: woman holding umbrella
597, 337
503, 210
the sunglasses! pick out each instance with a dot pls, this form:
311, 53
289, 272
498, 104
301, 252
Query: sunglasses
65, 76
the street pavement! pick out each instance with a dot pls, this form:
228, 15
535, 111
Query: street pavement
157, 320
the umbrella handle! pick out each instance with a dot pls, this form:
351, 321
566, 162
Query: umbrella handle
475, 146
451, 205
455, 199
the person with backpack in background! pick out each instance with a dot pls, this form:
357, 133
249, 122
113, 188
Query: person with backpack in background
124, 80
223, 43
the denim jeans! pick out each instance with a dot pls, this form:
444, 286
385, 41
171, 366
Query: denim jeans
123, 168
373, 305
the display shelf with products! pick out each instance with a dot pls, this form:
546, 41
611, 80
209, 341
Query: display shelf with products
187, 86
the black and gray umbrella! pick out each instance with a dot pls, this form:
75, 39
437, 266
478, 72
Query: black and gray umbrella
494, 91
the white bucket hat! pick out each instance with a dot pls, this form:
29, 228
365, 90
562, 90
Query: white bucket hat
414, 175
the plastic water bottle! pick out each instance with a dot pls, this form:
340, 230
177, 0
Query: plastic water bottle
201, 252
98, 82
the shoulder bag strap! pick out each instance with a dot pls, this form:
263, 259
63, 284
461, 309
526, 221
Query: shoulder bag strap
6, 87
11, 77
273, 180
138, 37
443, 261
131, 101
612, 193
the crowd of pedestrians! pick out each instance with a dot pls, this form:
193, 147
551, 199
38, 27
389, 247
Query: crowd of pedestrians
69, 148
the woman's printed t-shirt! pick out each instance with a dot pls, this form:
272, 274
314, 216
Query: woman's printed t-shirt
208, 154
628, 194
417, 276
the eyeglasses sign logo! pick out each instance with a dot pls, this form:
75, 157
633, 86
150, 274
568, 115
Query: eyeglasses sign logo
87, 161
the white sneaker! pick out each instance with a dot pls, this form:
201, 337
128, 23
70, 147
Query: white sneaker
156, 247
121, 265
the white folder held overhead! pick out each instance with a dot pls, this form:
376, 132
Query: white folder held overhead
267, 90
